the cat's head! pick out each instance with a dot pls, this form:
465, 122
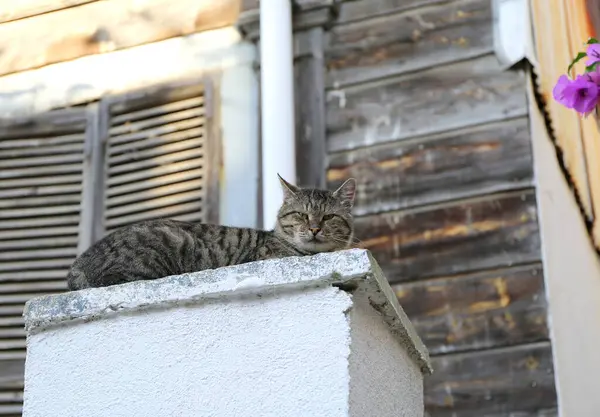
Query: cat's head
315, 220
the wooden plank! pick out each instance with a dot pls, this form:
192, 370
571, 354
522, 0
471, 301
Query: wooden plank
12, 224
28, 161
54, 264
138, 197
159, 131
33, 287
479, 311
158, 111
142, 125
550, 27
11, 10
49, 170
13, 344
135, 147
106, 26
450, 166
11, 321
171, 168
398, 43
194, 208
196, 153
156, 182
158, 96
29, 183
42, 149
155, 151
465, 236
12, 332
37, 254
583, 19
156, 202
433, 101
65, 126
310, 110
496, 382
49, 274
40, 201
39, 211
358, 10
38, 232
47, 190
38, 243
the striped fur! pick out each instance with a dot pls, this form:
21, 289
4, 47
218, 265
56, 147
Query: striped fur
309, 221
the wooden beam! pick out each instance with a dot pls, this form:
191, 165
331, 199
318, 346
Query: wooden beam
92, 77
310, 111
12, 10
461, 237
397, 43
110, 25
432, 101
515, 381
449, 166
479, 311
351, 11
550, 27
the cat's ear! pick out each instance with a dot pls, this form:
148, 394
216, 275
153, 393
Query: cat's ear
288, 189
346, 193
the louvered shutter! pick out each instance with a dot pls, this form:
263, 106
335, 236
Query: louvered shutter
161, 155
41, 176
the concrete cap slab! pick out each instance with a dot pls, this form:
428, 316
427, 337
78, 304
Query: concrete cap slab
351, 270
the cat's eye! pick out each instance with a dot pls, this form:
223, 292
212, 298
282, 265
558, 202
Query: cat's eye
328, 216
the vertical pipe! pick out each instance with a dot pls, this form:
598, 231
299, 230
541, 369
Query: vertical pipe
277, 103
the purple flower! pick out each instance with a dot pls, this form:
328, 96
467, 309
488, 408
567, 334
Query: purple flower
593, 53
581, 94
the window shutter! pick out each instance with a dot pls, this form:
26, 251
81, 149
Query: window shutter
41, 176
161, 156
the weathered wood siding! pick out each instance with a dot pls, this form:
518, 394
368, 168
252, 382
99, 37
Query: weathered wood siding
437, 134
48, 34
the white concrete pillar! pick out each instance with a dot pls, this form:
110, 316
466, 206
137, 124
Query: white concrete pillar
312, 336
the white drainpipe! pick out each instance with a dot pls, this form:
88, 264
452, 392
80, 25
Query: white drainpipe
277, 101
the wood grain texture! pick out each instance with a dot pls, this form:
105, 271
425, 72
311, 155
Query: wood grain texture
498, 382
105, 26
397, 43
309, 97
466, 236
433, 101
13, 10
479, 311
475, 161
364, 9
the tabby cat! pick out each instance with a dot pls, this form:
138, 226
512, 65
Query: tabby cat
309, 221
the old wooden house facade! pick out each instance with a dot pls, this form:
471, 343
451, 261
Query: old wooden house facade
118, 111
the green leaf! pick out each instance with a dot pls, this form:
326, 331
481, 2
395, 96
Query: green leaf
591, 41
592, 67
578, 58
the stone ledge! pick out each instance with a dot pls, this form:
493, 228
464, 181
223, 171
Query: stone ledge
352, 271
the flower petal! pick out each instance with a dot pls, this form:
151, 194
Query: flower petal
593, 53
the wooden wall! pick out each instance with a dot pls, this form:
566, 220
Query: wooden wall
437, 135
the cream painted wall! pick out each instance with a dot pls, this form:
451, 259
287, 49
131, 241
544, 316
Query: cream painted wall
572, 274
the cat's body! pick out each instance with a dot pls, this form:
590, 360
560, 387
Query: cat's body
309, 222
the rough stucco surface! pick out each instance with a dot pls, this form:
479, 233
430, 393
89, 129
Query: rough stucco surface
276, 357
384, 380
270, 338
351, 269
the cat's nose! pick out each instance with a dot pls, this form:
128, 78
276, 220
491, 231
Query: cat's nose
315, 230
